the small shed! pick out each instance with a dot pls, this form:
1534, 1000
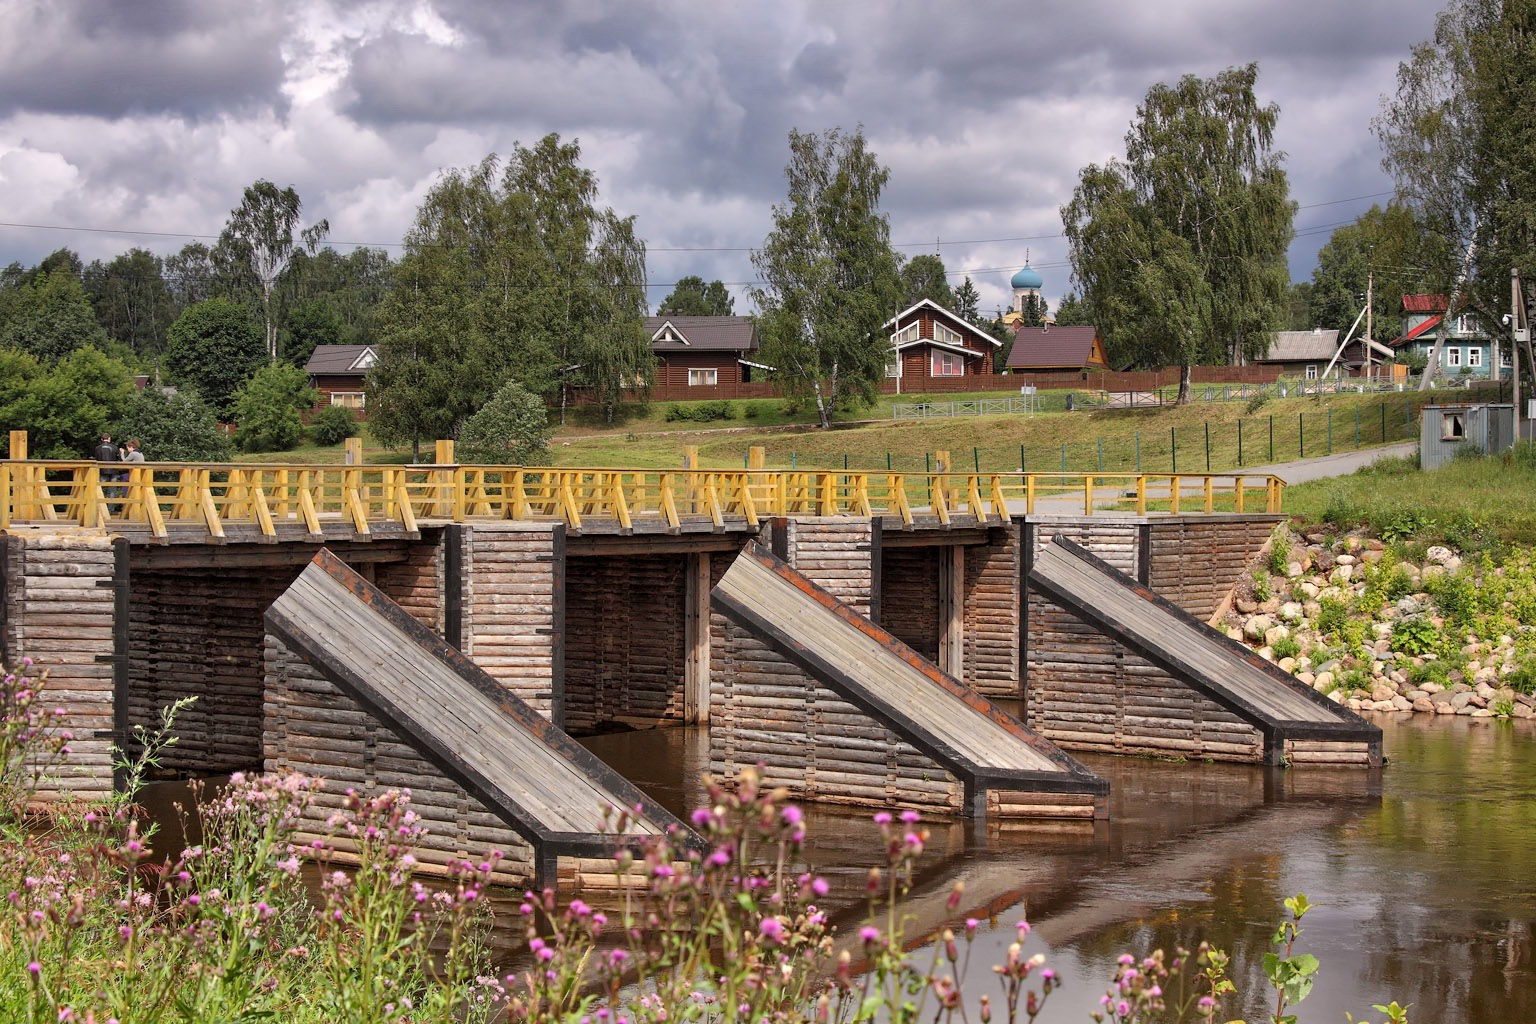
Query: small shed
1447, 430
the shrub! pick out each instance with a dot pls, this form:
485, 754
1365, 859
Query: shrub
1257, 402
333, 425
1279, 550
1353, 680
1416, 636
1432, 671
1523, 678
1286, 647
699, 412
63, 407
215, 346
1261, 588
173, 428
511, 429
1332, 616
267, 408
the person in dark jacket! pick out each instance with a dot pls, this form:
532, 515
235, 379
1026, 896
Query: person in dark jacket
106, 451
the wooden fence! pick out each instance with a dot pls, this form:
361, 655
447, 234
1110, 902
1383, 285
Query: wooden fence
153, 497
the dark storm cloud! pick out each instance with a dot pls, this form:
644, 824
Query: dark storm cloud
112, 58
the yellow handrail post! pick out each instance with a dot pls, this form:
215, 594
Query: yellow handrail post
1175, 490
1141, 495
748, 506
307, 502
263, 514
519, 496
354, 451
620, 504
1088, 494
402, 500
827, 494
973, 495
668, 500
352, 500
5, 495
999, 500
861, 494
712, 498
205, 504
87, 490
1210, 494
1029, 494
1239, 494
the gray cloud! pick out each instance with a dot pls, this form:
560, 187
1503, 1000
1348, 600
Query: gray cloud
155, 115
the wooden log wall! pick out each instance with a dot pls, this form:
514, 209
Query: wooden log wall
909, 597
763, 710
626, 641
990, 609
417, 583
1196, 561
514, 608
59, 611
1087, 692
315, 730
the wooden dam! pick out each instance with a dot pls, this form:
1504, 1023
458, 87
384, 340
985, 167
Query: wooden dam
450, 629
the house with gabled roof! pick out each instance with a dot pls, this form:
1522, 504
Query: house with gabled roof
931, 344
1466, 347
1055, 349
337, 372
704, 353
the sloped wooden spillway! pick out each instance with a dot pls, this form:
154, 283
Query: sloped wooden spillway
536, 781
1006, 769
1197, 692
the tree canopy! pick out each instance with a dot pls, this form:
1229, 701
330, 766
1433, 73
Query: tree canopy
1459, 138
1386, 242
132, 300
172, 428
260, 232
511, 429
64, 406
1180, 247
692, 297
510, 273
268, 407
48, 315
830, 277
924, 277
214, 347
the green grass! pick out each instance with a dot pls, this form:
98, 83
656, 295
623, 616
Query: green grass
1470, 503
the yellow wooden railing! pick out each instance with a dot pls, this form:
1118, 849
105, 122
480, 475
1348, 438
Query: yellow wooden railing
157, 496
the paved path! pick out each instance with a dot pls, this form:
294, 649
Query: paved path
1299, 471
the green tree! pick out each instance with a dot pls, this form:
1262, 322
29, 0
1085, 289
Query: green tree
176, 427
1180, 247
261, 233
509, 430
333, 425
214, 347
49, 316
132, 300
1459, 139
63, 406
1387, 242
509, 273
924, 277
830, 277
1035, 311
308, 325
268, 408
1071, 311
1298, 307
968, 303
348, 287
692, 297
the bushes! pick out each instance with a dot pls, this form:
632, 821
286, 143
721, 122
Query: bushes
333, 425
511, 429
1415, 636
699, 412
267, 408
173, 428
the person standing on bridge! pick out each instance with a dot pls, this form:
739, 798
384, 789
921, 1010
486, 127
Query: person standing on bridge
108, 452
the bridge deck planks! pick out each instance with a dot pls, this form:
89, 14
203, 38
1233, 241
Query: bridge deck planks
1133, 614
562, 796
959, 728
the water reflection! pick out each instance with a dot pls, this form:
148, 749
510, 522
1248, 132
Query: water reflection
1425, 872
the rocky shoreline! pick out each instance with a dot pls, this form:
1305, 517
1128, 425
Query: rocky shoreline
1377, 629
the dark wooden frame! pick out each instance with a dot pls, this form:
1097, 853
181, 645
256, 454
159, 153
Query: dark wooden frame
548, 844
977, 779
1346, 727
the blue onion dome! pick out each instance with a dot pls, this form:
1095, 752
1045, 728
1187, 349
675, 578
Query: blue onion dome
1027, 278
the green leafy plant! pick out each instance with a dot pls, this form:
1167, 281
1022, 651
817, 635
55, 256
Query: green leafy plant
1261, 587
1279, 550
1523, 679
1286, 647
1503, 709
1332, 616
1290, 974
1415, 636
699, 412
333, 425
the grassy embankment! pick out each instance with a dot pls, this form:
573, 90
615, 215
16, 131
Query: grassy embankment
1115, 440
1472, 503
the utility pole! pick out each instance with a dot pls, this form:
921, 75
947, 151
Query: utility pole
1516, 318
1427, 380
1370, 337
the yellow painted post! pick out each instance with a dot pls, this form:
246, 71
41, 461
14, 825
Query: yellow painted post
1175, 486
354, 451
5, 496
1141, 495
22, 479
691, 464
88, 490
941, 467
1029, 494
1239, 494
307, 502
757, 457
18, 446
1088, 494
1210, 494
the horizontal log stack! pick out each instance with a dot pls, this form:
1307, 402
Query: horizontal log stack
315, 730
909, 597
990, 613
626, 642
59, 611
1197, 560
514, 607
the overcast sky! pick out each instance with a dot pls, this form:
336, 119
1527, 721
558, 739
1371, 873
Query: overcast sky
152, 115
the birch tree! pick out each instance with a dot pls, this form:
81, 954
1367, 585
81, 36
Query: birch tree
260, 231
829, 275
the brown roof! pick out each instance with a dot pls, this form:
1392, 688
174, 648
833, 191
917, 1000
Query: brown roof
1052, 347
1423, 303
1300, 346
705, 333
334, 358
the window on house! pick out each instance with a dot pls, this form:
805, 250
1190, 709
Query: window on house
347, 399
907, 333
1466, 324
703, 378
1311, 371
893, 366
1474, 357
1453, 426
1506, 358
945, 334
1453, 356
947, 364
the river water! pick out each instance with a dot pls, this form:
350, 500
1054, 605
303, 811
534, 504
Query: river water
1424, 873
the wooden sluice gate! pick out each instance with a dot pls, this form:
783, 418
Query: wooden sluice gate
359, 692
1188, 689
985, 762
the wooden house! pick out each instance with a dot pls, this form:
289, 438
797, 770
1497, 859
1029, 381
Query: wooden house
1467, 349
337, 372
932, 346
1053, 349
704, 356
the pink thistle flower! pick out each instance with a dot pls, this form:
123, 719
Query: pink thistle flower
772, 928
792, 815
882, 817
869, 933
819, 886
